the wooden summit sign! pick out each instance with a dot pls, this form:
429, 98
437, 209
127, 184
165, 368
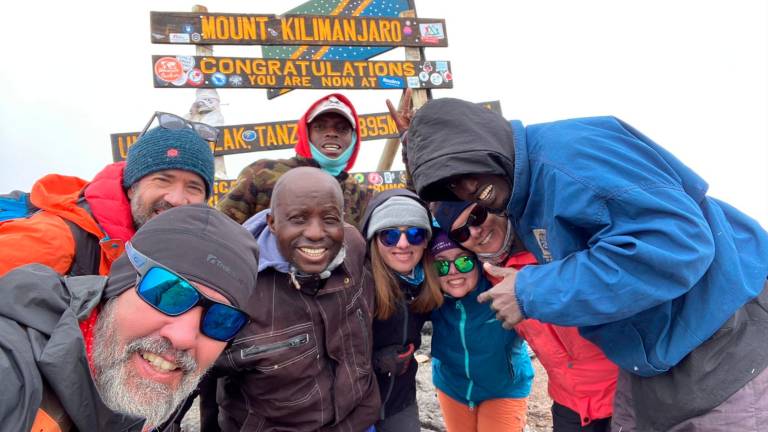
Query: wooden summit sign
244, 72
254, 137
249, 29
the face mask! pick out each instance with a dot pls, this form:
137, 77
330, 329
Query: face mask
335, 166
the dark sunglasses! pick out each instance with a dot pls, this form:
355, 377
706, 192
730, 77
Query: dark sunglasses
476, 218
463, 264
173, 295
390, 236
174, 122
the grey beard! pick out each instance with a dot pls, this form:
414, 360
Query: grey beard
500, 255
119, 386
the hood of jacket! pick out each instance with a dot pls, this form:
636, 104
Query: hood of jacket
109, 203
43, 343
302, 131
449, 137
269, 254
59, 194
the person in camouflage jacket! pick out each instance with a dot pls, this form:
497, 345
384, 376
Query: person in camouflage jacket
327, 139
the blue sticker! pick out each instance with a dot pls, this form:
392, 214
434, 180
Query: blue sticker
441, 66
249, 135
218, 79
391, 82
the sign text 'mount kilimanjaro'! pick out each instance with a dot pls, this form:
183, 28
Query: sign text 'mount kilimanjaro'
248, 29
243, 72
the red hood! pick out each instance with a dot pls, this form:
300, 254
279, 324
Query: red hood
109, 204
302, 146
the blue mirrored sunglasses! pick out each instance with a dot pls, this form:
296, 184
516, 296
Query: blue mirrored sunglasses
390, 236
173, 295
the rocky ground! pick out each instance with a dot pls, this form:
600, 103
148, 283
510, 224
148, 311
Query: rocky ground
539, 416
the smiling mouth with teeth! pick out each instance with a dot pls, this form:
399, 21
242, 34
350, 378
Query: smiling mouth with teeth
159, 363
486, 239
332, 146
486, 193
313, 252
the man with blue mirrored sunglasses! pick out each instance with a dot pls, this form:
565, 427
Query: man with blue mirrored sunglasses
124, 352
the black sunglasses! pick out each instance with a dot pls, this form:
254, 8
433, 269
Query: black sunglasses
174, 122
476, 218
173, 295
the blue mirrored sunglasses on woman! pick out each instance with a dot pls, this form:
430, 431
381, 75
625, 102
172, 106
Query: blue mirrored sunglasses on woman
173, 295
390, 236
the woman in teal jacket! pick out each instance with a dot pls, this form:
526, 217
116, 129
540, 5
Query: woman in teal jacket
482, 372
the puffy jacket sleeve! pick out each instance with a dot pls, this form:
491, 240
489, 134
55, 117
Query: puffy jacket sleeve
253, 189
619, 247
42, 238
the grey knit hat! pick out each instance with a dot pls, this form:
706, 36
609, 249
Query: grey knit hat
398, 211
201, 244
163, 149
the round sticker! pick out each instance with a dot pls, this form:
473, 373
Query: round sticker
195, 37
218, 79
447, 75
235, 80
195, 78
407, 30
427, 67
436, 78
249, 135
169, 69
423, 76
360, 178
187, 62
375, 178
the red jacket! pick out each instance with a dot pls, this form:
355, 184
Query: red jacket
45, 237
580, 376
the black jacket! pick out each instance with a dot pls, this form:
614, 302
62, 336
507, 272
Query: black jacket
402, 328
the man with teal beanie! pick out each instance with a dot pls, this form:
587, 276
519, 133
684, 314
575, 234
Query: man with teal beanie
82, 226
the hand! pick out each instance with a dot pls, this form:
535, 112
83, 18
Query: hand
403, 114
502, 296
393, 359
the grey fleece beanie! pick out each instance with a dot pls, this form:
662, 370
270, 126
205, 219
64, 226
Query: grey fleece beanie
398, 211
201, 244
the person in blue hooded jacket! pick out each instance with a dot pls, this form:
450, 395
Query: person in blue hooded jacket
481, 371
669, 282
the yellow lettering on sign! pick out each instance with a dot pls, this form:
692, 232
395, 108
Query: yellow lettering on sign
293, 129
233, 27
124, 143
286, 25
282, 133
260, 132
338, 33
337, 82
322, 28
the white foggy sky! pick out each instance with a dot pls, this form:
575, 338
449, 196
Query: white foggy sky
690, 74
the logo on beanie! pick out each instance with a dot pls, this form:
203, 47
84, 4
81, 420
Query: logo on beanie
172, 153
213, 259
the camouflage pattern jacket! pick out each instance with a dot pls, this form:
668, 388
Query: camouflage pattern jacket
253, 190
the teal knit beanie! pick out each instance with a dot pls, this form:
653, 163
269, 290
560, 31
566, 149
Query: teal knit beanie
163, 149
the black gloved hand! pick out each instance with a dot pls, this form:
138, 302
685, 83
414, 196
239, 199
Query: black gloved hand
393, 359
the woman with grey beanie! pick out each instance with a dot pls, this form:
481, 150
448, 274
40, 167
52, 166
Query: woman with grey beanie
397, 226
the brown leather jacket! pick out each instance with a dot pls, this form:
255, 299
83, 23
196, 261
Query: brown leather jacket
305, 363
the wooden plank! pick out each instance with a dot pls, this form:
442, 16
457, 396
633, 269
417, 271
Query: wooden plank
253, 29
247, 72
256, 137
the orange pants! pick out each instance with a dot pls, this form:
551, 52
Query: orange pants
489, 416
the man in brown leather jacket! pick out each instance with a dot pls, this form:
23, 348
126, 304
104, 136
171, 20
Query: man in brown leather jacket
304, 362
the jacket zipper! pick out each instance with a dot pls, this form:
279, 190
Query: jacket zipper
361, 318
391, 377
277, 346
462, 330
